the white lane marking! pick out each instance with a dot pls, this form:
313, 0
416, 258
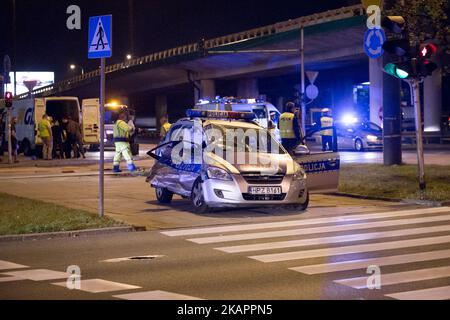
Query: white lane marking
155, 295
38, 274
303, 222
10, 279
440, 293
380, 261
399, 277
360, 248
312, 230
99, 285
333, 240
5, 265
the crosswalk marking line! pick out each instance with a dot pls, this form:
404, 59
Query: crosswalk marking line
312, 230
5, 265
155, 295
364, 263
361, 248
399, 277
100, 285
303, 222
440, 293
332, 240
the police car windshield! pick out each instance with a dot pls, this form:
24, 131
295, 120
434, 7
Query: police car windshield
242, 139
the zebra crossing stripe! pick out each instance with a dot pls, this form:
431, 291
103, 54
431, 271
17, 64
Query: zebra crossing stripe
380, 261
440, 293
302, 222
155, 295
313, 230
333, 240
399, 277
360, 248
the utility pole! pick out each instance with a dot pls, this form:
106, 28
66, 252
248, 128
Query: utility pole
415, 91
302, 71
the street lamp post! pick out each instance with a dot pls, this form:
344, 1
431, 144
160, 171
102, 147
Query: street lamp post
73, 67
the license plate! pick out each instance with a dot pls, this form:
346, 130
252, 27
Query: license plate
264, 190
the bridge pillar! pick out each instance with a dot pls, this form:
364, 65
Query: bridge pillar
432, 89
207, 89
160, 109
248, 88
376, 90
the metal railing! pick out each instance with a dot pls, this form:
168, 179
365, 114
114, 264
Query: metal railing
314, 19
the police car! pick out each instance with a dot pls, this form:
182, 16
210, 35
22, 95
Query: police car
199, 161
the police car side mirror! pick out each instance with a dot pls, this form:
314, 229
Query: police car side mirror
301, 150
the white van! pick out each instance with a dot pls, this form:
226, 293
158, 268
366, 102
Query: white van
30, 111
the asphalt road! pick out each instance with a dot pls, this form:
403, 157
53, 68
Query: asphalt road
309, 257
323, 253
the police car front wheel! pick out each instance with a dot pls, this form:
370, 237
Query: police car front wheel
198, 199
163, 195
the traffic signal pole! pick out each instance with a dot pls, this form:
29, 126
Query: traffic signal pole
415, 90
8, 126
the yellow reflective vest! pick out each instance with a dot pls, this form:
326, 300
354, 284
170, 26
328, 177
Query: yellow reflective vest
326, 122
44, 128
286, 124
164, 129
121, 131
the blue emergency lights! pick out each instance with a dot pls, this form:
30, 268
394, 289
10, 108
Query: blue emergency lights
217, 114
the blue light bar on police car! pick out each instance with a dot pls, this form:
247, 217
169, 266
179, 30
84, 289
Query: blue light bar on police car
213, 114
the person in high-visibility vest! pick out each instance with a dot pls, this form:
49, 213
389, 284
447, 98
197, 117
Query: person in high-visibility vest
45, 133
165, 127
121, 135
290, 132
326, 121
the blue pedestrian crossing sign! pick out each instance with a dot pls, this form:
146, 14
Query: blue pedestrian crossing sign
373, 42
100, 37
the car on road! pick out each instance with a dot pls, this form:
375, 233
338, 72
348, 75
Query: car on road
207, 170
218, 181
359, 136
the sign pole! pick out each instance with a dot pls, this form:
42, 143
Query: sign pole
414, 83
101, 177
302, 71
10, 160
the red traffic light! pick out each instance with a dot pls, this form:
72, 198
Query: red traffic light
427, 50
8, 95
8, 99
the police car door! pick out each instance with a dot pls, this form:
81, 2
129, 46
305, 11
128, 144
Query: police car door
165, 173
322, 171
90, 110
39, 111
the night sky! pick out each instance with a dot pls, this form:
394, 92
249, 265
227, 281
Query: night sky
45, 44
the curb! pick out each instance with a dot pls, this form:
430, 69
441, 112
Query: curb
69, 234
428, 203
357, 196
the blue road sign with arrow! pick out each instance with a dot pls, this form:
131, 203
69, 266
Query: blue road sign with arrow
373, 42
100, 37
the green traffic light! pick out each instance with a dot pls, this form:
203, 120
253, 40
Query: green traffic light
393, 70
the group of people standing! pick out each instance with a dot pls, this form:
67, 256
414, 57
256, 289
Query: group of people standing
61, 140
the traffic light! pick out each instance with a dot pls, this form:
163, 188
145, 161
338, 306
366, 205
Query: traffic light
426, 53
398, 70
397, 38
8, 99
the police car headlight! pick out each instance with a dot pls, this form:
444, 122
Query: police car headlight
372, 138
218, 173
299, 173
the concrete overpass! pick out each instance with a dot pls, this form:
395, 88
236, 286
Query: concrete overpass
332, 39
